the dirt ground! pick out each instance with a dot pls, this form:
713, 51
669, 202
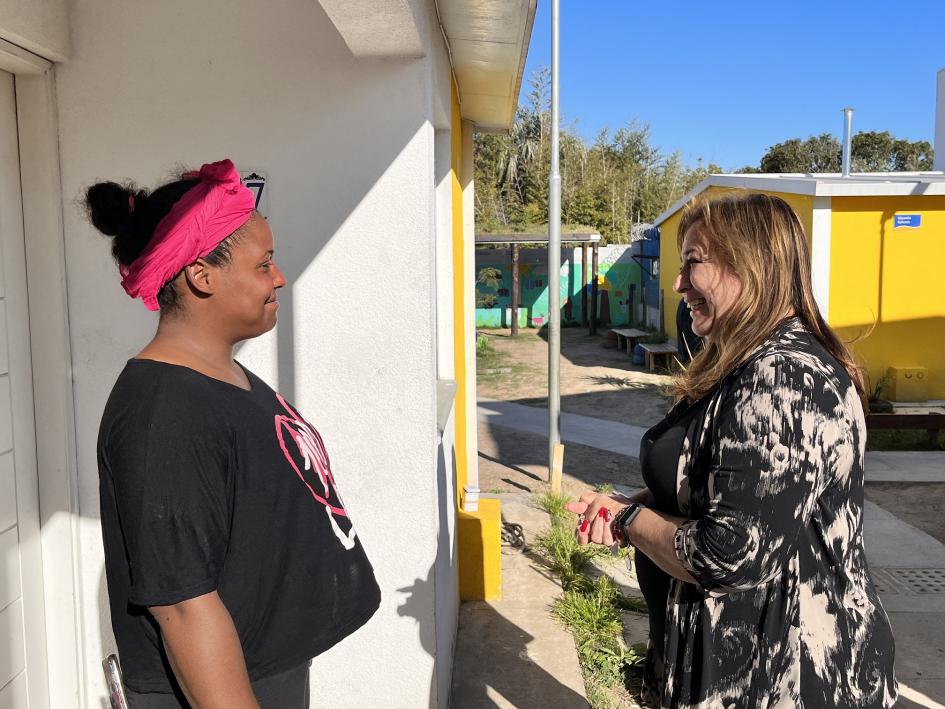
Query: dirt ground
595, 381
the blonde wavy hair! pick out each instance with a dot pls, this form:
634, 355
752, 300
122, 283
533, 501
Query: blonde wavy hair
761, 240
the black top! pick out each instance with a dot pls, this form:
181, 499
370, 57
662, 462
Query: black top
660, 451
206, 486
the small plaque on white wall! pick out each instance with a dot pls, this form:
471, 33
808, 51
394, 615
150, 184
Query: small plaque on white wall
257, 182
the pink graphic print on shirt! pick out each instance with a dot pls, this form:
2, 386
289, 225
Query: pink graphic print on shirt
315, 472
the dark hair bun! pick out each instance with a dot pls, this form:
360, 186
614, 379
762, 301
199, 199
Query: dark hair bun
109, 209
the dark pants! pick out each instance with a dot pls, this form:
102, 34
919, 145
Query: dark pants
287, 690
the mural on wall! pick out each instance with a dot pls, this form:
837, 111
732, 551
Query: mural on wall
617, 273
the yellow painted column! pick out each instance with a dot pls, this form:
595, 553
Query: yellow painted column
479, 532
459, 298
479, 552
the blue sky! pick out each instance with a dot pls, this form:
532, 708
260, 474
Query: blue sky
724, 81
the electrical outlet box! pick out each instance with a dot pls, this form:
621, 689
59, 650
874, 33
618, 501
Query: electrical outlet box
908, 383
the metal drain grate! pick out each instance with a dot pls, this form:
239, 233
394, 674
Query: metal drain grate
921, 580
884, 583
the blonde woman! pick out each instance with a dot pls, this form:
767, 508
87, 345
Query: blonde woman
749, 536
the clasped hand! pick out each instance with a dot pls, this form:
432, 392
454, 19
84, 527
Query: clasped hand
595, 513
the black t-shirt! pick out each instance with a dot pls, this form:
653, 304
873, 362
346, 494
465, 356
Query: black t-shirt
206, 486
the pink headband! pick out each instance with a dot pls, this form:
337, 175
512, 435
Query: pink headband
207, 213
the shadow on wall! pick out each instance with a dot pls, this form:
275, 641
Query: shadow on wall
416, 605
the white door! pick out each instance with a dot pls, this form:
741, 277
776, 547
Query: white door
23, 678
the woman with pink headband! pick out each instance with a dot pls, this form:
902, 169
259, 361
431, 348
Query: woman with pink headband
230, 558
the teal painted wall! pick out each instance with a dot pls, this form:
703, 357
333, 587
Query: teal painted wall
617, 272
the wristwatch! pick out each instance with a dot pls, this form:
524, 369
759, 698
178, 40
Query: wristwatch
622, 520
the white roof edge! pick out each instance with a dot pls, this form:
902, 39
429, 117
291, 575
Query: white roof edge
876, 184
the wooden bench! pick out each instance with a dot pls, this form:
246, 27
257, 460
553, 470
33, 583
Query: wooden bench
664, 351
627, 337
932, 423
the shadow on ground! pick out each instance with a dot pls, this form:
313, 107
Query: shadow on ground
515, 461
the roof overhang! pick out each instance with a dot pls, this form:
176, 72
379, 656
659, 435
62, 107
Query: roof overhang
572, 237
870, 184
488, 42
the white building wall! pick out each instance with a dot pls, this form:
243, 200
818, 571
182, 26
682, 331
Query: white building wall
348, 147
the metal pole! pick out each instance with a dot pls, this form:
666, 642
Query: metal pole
847, 141
584, 284
662, 314
515, 290
633, 304
594, 289
554, 255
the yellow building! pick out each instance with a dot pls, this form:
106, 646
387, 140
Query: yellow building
877, 261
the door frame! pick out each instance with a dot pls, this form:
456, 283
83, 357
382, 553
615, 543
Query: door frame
51, 363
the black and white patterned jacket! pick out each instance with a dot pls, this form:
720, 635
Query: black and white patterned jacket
771, 479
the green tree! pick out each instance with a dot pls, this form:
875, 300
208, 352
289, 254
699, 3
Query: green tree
788, 156
870, 151
816, 154
912, 157
873, 151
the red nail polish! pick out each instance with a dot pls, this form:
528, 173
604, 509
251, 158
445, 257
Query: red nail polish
584, 526
602, 512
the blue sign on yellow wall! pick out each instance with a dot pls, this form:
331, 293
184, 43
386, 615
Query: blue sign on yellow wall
907, 221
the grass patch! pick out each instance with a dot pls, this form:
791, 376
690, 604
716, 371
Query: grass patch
494, 366
566, 557
484, 348
904, 441
594, 618
554, 505
590, 608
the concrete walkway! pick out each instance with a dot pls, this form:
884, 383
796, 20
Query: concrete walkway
604, 435
513, 653
907, 564
905, 466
